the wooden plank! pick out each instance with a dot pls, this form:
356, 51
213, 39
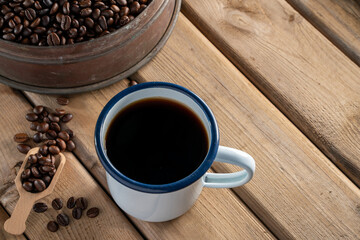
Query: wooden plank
295, 66
218, 214
297, 192
75, 181
3, 233
338, 20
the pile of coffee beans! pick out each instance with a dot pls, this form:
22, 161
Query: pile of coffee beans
62, 219
40, 167
60, 22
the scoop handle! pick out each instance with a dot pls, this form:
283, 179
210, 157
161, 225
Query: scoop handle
16, 223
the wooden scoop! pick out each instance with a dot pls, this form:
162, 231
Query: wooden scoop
16, 223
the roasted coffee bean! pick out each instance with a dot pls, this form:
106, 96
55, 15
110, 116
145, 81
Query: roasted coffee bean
65, 23
43, 127
54, 9
18, 28
81, 203
45, 20
96, 13
30, 14
54, 150
124, 11
46, 119
89, 22
134, 7
38, 155
85, 3
61, 144
92, 212
42, 160
40, 207
47, 180
53, 117
28, 3
32, 117
121, 2
70, 132
38, 109
63, 219
124, 20
55, 126
50, 142
35, 23
46, 169
115, 8
132, 83
60, 112
44, 150
52, 172
70, 146
23, 148
66, 8
82, 31
72, 32
57, 204
77, 213
21, 137
25, 174
53, 39
51, 134
64, 135
70, 203
67, 117
102, 22
28, 186
32, 159
37, 137
52, 226
35, 172
39, 185
85, 12
62, 100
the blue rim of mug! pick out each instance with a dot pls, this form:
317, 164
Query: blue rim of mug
157, 188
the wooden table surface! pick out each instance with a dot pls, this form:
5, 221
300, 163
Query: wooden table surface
283, 80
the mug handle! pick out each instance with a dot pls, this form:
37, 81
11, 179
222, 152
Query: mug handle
230, 180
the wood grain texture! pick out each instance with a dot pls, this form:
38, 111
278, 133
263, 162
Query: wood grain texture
310, 80
217, 214
74, 181
296, 191
338, 20
3, 234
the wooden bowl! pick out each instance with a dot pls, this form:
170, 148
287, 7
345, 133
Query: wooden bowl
92, 64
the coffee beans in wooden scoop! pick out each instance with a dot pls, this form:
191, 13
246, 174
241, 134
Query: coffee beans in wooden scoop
40, 167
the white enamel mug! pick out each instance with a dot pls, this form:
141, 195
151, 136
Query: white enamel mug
163, 202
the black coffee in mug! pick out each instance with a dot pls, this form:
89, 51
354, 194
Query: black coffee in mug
156, 141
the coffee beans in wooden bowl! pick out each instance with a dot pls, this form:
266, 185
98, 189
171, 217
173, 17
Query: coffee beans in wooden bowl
60, 22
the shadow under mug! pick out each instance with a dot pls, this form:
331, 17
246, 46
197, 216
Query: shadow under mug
157, 203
